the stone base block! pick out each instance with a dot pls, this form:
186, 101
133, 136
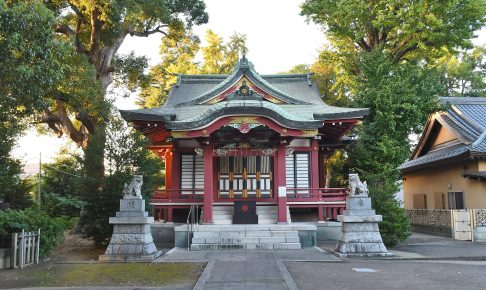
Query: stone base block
122, 214
131, 229
132, 204
118, 239
360, 227
361, 255
361, 237
358, 202
360, 248
359, 219
130, 258
359, 212
127, 249
131, 220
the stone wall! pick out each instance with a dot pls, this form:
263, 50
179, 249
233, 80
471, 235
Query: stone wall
431, 221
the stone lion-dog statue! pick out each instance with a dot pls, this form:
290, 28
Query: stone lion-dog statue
133, 190
356, 187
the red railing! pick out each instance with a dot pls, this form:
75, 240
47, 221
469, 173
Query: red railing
293, 194
316, 194
178, 195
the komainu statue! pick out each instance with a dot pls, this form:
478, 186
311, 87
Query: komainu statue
133, 190
356, 187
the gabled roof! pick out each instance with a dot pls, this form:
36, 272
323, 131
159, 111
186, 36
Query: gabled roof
466, 119
292, 100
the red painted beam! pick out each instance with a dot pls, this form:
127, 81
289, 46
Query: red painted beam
208, 184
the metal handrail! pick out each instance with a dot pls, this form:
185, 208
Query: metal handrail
192, 222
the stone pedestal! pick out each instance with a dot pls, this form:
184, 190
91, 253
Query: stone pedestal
131, 239
360, 235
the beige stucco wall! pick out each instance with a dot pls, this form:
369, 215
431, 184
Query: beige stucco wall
437, 179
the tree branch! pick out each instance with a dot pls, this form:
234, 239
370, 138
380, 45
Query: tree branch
95, 37
399, 56
81, 115
64, 29
362, 43
146, 32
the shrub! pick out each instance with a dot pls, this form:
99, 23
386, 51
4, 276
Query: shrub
31, 219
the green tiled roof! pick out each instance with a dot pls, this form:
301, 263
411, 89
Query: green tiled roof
303, 107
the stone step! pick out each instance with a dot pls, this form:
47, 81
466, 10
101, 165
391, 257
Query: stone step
244, 240
249, 246
248, 233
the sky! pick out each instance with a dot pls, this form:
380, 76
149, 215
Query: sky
278, 38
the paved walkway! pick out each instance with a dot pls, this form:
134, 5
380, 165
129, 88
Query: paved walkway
240, 269
423, 246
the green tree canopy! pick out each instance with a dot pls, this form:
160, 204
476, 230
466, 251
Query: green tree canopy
464, 74
179, 57
404, 29
31, 63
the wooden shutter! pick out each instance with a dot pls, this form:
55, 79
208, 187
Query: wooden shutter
192, 173
297, 171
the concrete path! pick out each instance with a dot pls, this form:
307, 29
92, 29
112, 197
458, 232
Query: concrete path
427, 247
389, 274
240, 269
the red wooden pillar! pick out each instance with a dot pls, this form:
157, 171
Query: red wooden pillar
208, 184
280, 183
168, 169
320, 214
322, 177
314, 157
175, 173
169, 214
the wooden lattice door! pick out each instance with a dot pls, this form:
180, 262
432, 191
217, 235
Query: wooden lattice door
245, 176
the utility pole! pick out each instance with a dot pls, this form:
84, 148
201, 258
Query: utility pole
40, 180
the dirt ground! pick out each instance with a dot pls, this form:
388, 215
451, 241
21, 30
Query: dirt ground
75, 249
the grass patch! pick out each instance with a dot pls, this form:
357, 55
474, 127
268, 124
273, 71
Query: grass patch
126, 274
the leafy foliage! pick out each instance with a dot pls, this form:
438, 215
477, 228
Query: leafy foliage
395, 226
394, 57
465, 74
31, 219
29, 66
127, 154
400, 98
178, 57
402, 29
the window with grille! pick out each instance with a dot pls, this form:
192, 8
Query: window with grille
456, 200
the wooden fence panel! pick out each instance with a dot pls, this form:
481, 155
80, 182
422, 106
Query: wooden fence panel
25, 249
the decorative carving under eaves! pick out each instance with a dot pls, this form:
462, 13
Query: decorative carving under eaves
244, 127
245, 149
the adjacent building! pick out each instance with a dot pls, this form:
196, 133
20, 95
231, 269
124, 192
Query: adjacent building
447, 170
245, 136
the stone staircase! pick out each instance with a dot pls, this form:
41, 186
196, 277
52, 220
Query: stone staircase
223, 214
251, 237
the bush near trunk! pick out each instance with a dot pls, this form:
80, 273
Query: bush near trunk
31, 219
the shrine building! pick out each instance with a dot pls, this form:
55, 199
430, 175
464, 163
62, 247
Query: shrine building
246, 137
